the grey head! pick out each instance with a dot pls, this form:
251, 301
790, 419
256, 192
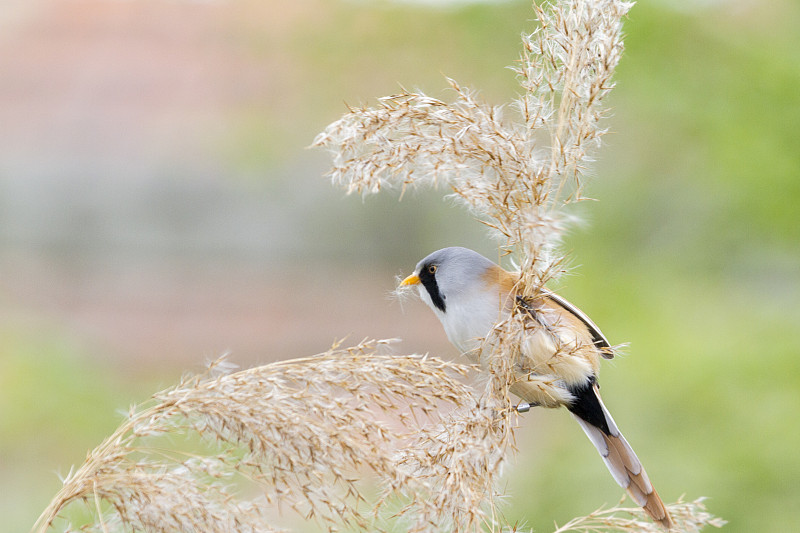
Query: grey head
449, 273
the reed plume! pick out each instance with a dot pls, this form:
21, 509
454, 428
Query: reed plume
514, 166
300, 434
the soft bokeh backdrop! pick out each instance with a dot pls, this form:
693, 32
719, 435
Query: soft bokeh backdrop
158, 207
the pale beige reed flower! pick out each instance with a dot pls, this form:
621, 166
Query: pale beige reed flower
303, 435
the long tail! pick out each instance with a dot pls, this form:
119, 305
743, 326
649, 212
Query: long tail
621, 460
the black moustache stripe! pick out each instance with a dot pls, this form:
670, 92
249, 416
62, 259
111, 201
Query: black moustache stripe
429, 282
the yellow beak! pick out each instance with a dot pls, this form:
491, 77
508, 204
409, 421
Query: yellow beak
413, 279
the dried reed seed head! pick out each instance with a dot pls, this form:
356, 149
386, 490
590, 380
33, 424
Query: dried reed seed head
688, 517
494, 164
303, 433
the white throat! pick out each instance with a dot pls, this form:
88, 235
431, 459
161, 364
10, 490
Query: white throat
469, 316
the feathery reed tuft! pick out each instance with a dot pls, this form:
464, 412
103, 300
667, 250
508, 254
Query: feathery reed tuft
515, 170
689, 517
300, 434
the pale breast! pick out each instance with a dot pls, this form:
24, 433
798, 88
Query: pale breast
559, 345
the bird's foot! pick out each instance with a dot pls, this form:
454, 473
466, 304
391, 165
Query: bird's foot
525, 407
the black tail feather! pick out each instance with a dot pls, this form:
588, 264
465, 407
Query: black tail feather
587, 406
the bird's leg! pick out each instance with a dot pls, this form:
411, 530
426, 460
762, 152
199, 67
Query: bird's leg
524, 407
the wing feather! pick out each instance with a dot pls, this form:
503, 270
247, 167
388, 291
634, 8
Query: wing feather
598, 338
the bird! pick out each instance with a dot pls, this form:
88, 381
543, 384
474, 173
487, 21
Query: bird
470, 294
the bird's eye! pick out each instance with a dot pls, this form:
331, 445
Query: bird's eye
432, 269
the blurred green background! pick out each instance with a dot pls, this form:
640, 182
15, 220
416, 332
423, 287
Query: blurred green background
158, 207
